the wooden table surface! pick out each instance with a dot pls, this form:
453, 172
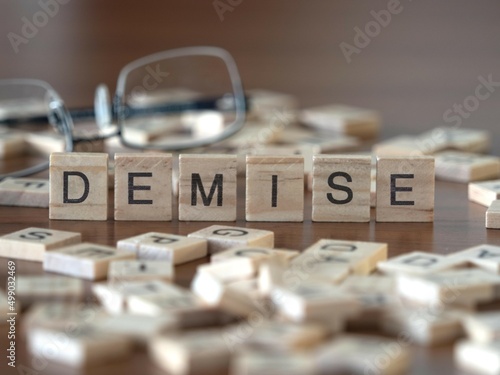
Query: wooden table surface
430, 56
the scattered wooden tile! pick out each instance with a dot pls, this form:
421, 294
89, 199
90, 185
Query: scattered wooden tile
45, 142
358, 122
466, 167
449, 287
271, 275
237, 268
485, 192
207, 187
130, 270
483, 327
493, 215
11, 144
423, 325
143, 187
317, 267
33, 243
188, 310
405, 189
165, 247
256, 254
113, 296
341, 188
278, 336
78, 186
478, 358
24, 192
195, 352
137, 328
83, 347
343, 354
259, 362
221, 237
85, 260
360, 257
48, 288
144, 131
463, 139
483, 256
314, 301
418, 263
274, 188
405, 145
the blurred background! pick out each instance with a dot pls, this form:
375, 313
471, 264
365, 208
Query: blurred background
411, 60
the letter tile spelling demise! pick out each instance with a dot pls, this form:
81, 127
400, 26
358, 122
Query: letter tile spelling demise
143, 187
405, 189
207, 187
275, 188
341, 188
78, 186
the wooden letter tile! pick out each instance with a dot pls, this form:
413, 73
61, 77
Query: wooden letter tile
131, 270
78, 186
275, 188
466, 167
46, 287
143, 187
405, 189
478, 358
25, 192
483, 327
256, 254
493, 215
221, 238
32, 243
256, 362
165, 247
85, 260
83, 347
483, 256
485, 192
418, 263
207, 187
341, 188
11, 144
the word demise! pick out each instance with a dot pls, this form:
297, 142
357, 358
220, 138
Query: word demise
274, 188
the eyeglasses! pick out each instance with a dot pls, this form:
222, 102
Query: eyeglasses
170, 101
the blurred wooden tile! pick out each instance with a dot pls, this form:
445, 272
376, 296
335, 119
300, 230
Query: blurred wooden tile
455, 286
360, 257
33, 243
48, 288
256, 254
318, 267
314, 301
143, 187
264, 362
137, 328
271, 275
165, 247
85, 260
195, 352
131, 270
266, 105
343, 354
11, 144
418, 263
358, 122
83, 347
483, 327
478, 358
404, 145
341, 188
483, 256
221, 237
78, 186
405, 189
466, 167
424, 326
484, 193
463, 139
207, 187
274, 188
493, 215
24, 192
113, 296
